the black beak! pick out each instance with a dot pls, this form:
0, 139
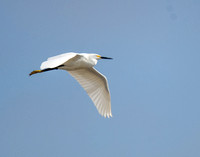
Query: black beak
105, 57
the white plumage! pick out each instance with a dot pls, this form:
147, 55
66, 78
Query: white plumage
80, 66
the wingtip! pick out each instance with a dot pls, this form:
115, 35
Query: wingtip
110, 115
107, 115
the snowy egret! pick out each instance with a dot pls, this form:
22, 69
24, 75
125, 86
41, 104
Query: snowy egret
80, 66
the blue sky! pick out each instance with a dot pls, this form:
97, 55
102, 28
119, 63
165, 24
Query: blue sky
153, 79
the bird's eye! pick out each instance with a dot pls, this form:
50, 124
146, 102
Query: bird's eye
98, 56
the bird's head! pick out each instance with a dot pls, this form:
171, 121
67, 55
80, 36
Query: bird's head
93, 58
101, 57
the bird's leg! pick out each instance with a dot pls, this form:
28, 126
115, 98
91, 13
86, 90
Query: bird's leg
40, 71
47, 69
35, 72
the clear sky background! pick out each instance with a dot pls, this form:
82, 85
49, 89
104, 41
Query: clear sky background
154, 78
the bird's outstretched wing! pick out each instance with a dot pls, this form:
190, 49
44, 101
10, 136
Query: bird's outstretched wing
96, 86
56, 61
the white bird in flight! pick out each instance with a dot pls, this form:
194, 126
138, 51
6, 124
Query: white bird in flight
80, 66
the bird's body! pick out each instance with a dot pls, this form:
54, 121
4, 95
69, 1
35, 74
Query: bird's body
80, 66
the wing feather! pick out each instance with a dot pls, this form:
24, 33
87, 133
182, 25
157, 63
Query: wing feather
56, 61
96, 86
